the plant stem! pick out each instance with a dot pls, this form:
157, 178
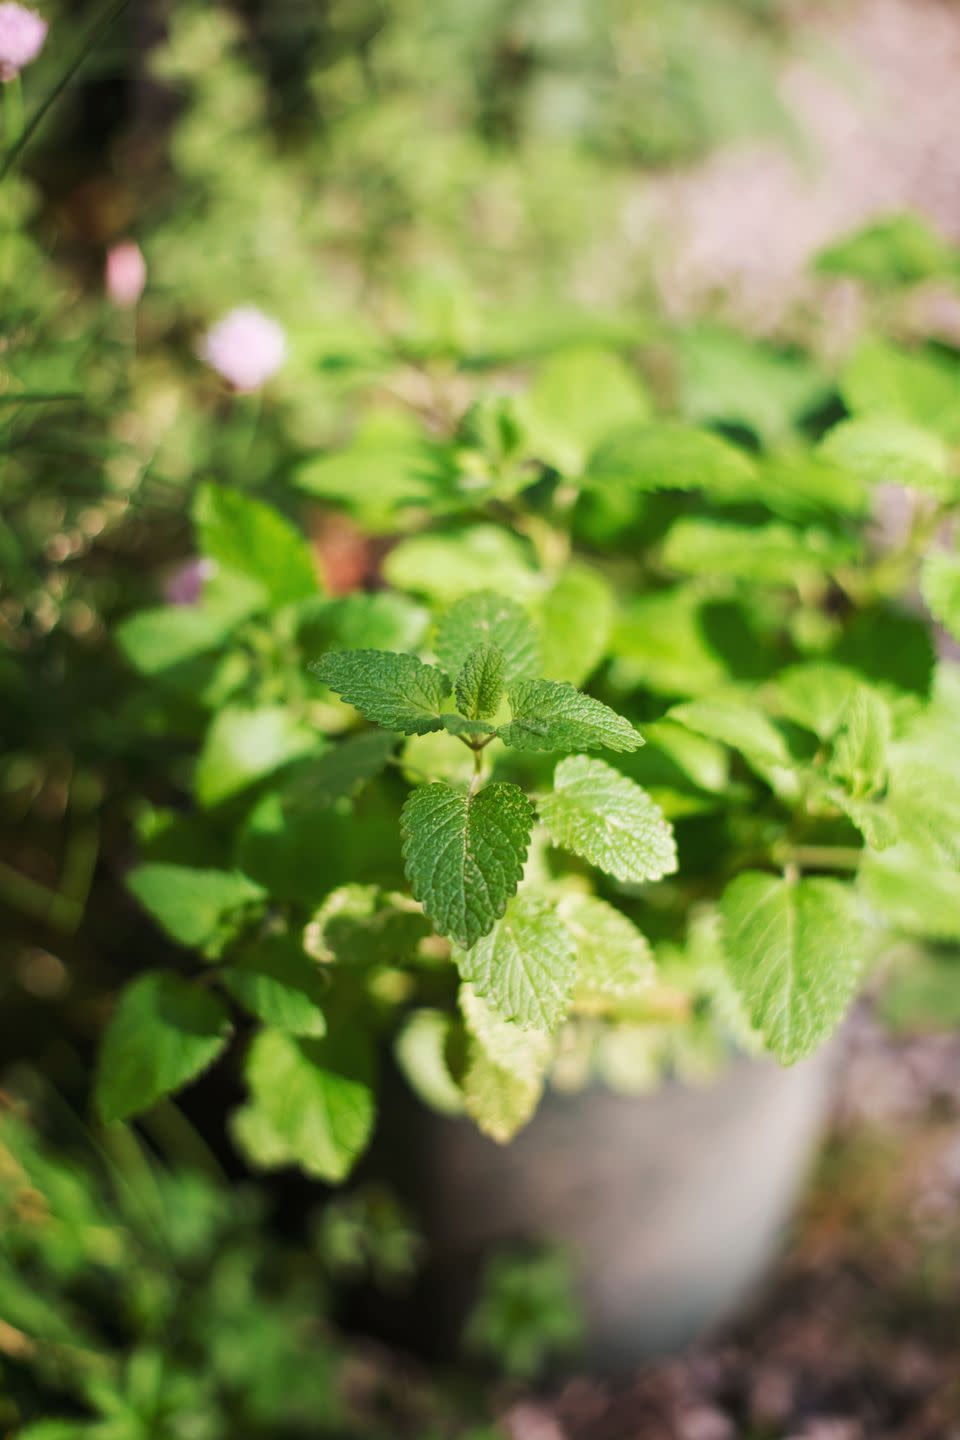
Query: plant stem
111, 13
12, 129
818, 857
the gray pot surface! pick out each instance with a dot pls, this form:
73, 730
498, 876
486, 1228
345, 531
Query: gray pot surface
672, 1205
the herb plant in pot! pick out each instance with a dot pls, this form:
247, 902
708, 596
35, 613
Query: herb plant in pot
636, 765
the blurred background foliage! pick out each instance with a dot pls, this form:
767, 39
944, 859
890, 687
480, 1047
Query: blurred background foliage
431, 198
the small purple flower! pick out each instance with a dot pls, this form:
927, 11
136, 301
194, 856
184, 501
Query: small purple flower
125, 275
184, 586
22, 33
246, 347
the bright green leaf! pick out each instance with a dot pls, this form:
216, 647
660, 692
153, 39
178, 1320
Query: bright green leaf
578, 399
156, 640
767, 554
363, 925
670, 456
912, 893
485, 618
887, 450
895, 250
398, 692
860, 747
920, 387
613, 958
252, 539
795, 950
525, 966
192, 905
552, 715
576, 620
312, 1099
731, 718
446, 568
465, 854
479, 684
599, 814
164, 1033
275, 981
244, 744
940, 583
503, 1078
420, 1049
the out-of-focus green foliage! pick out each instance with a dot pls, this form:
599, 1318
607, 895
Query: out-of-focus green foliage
136, 1300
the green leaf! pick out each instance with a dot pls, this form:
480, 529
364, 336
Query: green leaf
940, 583
551, 715
244, 744
192, 905
156, 640
485, 618
164, 1033
362, 925
254, 540
341, 770
465, 854
525, 967
767, 554
803, 484
599, 814
576, 620
795, 950
924, 798
276, 982
890, 648
670, 456
920, 387
579, 398
446, 568
421, 1051
815, 695
859, 757
299, 850
613, 958
726, 376
461, 725
731, 718
876, 823
503, 1077
384, 468
896, 250
398, 692
313, 1100
886, 450
381, 621
480, 683
906, 886
660, 642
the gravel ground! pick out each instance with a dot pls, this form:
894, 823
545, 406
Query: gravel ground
872, 89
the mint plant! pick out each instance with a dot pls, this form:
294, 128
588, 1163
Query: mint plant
638, 754
465, 849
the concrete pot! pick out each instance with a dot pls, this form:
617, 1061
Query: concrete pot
672, 1205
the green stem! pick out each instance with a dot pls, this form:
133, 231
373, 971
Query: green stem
818, 857
12, 130
111, 13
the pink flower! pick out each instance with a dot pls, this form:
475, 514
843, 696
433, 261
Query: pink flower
246, 347
184, 585
126, 274
22, 33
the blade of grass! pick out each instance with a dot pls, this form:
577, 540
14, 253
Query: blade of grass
111, 13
